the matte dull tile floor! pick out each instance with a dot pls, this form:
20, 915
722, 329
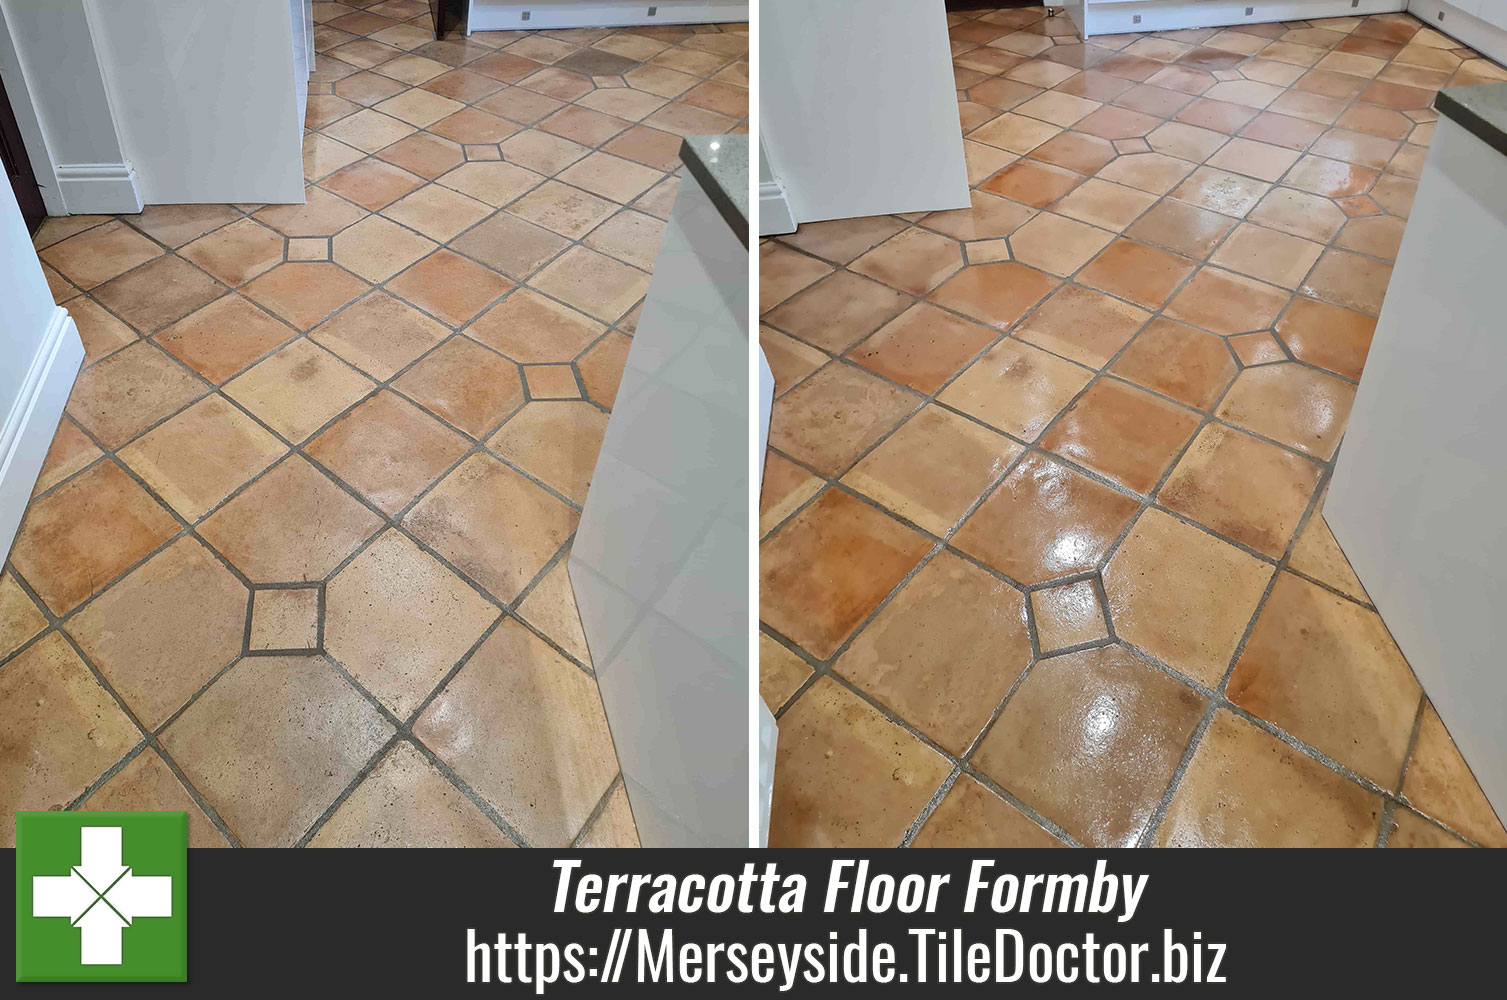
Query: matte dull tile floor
296, 561
1042, 547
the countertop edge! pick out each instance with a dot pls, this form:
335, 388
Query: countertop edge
732, 206
1481, 110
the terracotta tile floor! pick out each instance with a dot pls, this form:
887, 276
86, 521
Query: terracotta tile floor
1042, 556
296, 562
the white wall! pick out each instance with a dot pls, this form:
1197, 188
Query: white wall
40, 353
1416, 501
858, 108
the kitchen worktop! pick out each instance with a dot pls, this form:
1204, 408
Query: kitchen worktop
720, 163
1481, 110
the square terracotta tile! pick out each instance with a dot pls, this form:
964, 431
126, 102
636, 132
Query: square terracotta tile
1083, 154
1056, 244
973, 817
1175, 360
835, 415
71, 451
322, 155
449, 286
1186, 229
913, 261
1329, 336
1045, 521
423, 154
437, 212
158, 293
850, 777
1298, 213
610, 176
308, 248
367, 88
997, 294
99, 254
491, 182
1440, 784
378, 334
838, 310
530, 328
509, 245
1091, 740
492, 524
175, 225
785, 488
62, 730
1295, 405
1032, 183
1187, 142
545, 779
923, 347
20, 619
1067, 615
631, 237
1155, 173
304, 293
388, 449
556, 442
376, 248
134, 388
594, 283
781, 672
368, 130
1220, 191
828, 567
298, 390
1246, 490
464, 383
943, 654
562, 209
146, 784
582, 125
1246, 788
1122, 432
419, 108
1105, 205
102, 334
1267, 255
1226, 303
290, 716
933, 468
1082, 325
164, 631
1015, 133
291, 525
236, 253
1349, 280
627, 103
1016, 388
1325, 670
987, 217
1183, 595
285, 618
1144, 275
322, 214
551, 608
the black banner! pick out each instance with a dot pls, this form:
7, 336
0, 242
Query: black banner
1054, 921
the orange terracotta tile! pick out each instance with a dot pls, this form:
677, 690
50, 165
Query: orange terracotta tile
1329, 336
997, 294
158, 293
913, 261
134, 388
304, 293
224, 337
1131, 270
1067, 615
236, 253
1125, 433
1189, 365
923, 347
1184, 228
1226, 303
835, 415
973, 817
1032, 183
1082, 325
1439, 783
1300, 407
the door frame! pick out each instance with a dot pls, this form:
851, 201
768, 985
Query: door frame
30, 125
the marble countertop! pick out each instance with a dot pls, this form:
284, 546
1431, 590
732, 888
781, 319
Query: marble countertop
720, 163
1481, 110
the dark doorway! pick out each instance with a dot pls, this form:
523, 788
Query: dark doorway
18, 166
448, 15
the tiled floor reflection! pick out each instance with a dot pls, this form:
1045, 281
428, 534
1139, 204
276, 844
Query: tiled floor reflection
296, 562
1043, 559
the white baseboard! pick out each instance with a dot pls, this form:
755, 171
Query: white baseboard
99, 188
1485, 38
33, 420
775, 216
509, 15
1169, 15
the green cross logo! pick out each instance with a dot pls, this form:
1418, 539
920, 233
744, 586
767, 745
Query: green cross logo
101, 897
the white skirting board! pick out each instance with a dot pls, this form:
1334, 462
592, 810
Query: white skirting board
1120, 16
775, 216
99, 188
32, 422
498, 15
1485, 38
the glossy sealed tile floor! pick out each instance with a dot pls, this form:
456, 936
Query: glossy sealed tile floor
1043, 557
296, 560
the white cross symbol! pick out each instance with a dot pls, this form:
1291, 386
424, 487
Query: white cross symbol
100, 896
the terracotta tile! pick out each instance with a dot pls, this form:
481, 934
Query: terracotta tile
119, 397
1016, 388
1310, 107
987, 217
376, 248
1411, 830
308, 248
322, 155
997, 294
1188, 142
634, 105
1328, 83
56, 228
686, 120
1067, 615
1182, 227
1330, 178
1349, 280
1226, 303
1182, 595
1153, 100
789, 360
914, 261
1394, 193
555, 441
1439, 783
1040, 73
1220, 116
922, 348
492, 524
509, 245
1015, 133
593, 283
564, 210
398, 620
1056, 108
973, 817
62, 730
837, 311
1299, 214
99, 254
850, 776
285, 619
1397, 96
1151, 172
786, 486
661, 198
1127, 434
1245, 788
1297, 406
1325, 670
449, 286
388, 450
1082, 325
1267, 255
601, 368
437, 212
589, 128
175, 225
372, 183
1032, 183
102, 334
326, 109
379, 335
459, 85
642, 144
1328, 336
1143, 274
71, 451
158, 293
610, 176
1257, 348
1355, 147
505, 66
1358, 205
423, 154
465, 384
835, 415
827, 568
1091, 740
1382, 122
287, 716
551, 607
1075, 151
545, 778
945, 651
20, 619
933, 468
631, 237
1045, 521
291, 525
304, 293
781, 672
1117, 123
1056, 244
1220, 191
236, 253
146, 784
174, 461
